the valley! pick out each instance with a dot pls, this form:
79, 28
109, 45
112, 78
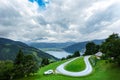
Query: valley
59, 39
101, 71
35, 62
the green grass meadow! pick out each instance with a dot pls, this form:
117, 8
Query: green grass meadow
76, 65
102, 71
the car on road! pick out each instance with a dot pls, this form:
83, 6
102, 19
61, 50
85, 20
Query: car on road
48, 72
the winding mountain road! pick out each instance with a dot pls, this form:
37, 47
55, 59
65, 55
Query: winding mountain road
60, 69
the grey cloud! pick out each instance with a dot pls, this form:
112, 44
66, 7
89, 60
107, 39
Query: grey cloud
94, 22
40, 20
28, 23
8, 15
9, 12
5, 32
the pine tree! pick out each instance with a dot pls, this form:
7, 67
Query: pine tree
19, 58
18, 64
24, 64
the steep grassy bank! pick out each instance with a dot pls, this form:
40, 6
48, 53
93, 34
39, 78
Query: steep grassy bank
102, 71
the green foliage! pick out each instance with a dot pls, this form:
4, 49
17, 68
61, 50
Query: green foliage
19, 58
76, 65
76, 54
24, 65
6, 68
104, 57
69, 56
44, 62
63, 58
111, 48
101, 71
30, 65
93, 60
112, 37
91, 48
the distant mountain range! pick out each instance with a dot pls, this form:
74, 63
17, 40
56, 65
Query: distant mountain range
70, 47
50, 45
80, 46
9, 49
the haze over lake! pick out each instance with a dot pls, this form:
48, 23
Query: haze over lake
58, 54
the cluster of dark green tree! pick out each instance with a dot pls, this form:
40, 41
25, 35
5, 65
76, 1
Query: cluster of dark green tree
45, 61
22, 66
6, 70
110, 47
76, 54
25, 64
91, 48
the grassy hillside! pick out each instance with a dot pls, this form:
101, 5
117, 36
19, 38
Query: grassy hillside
102, 71
76, 65
9, 49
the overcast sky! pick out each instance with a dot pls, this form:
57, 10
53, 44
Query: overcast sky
59, 20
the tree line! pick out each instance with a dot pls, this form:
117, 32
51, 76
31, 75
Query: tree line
22, 66
110, 48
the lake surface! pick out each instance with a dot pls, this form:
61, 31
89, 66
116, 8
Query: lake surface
58, 54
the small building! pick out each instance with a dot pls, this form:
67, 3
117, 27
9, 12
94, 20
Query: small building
98, 55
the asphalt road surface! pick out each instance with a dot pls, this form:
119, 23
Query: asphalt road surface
60, 69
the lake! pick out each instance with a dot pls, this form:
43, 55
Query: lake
58, 54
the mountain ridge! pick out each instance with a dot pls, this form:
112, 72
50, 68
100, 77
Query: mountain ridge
50, 45
80, 46
9, 49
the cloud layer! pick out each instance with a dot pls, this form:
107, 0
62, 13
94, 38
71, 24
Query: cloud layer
60, 20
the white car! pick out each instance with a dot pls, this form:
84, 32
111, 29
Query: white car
48, 72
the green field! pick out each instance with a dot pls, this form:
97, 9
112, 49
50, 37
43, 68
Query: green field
76, 65
102, 71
